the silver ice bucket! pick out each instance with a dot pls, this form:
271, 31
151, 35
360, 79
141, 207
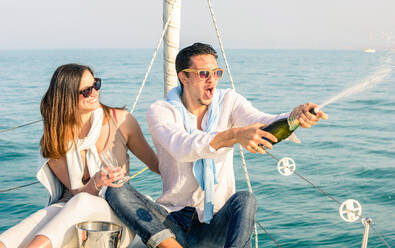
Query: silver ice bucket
98, 234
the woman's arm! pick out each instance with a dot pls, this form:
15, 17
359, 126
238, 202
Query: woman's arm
137, 143
95, 183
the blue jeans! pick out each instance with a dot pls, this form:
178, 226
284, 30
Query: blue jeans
231, 226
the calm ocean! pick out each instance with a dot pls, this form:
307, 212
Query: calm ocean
350, 156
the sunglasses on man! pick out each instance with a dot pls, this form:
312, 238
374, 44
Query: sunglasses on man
205, 73
88, 91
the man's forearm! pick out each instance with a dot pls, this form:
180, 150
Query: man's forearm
226, 138
250, 137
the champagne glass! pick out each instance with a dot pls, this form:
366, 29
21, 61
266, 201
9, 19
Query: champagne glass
110, 162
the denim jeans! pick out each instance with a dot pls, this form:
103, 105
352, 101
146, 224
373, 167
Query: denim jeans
231, 226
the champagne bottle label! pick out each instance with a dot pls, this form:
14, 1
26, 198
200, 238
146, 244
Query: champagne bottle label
292, 123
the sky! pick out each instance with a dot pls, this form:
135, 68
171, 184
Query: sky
253, 24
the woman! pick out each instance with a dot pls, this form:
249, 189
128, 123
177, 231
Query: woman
77, 128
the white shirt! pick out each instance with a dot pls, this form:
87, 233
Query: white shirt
177, 150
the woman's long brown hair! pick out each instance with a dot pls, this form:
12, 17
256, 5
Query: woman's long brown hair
60, 112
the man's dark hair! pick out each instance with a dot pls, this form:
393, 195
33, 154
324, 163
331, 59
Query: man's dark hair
183, 59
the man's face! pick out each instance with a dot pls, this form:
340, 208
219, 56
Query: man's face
201, 89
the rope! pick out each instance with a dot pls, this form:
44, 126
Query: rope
233, 87
24, 125
153, 56
249, 189
245, 168
138, 173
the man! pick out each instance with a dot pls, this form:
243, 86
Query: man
194, 131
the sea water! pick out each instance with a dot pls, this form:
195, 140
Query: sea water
350, 156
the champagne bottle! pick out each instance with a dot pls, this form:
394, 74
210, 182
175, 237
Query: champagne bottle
282, 128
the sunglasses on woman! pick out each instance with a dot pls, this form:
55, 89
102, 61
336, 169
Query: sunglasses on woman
205, 73
88, 91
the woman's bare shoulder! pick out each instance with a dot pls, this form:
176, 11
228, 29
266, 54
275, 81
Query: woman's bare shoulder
124, 117
126, 122
55, 163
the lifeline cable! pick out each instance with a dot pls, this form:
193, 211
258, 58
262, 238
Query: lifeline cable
24, 125
18, 187
25, 185
381, 237
326, 194
275, 241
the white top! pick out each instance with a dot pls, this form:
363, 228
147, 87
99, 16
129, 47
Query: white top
177, 149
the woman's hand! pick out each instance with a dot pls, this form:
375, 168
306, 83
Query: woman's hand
107, 177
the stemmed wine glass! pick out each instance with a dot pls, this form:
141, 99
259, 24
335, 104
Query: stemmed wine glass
110, 162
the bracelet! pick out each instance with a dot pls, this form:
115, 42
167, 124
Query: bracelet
94, 183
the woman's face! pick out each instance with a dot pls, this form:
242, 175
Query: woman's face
90, 103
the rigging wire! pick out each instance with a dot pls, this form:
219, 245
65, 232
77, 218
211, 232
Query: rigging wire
153, 56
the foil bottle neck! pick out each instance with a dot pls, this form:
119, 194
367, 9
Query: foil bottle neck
292, 123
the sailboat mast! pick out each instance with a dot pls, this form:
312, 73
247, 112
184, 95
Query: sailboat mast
171, 42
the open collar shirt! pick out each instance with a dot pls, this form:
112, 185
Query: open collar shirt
177, 150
